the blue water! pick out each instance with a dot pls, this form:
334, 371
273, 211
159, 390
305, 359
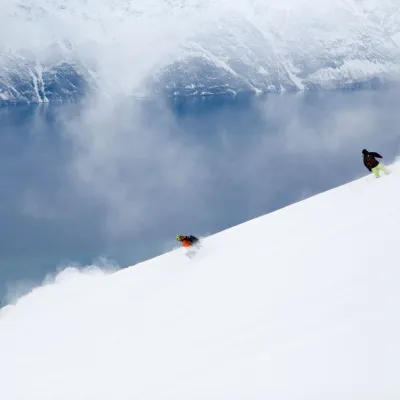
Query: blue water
120, 180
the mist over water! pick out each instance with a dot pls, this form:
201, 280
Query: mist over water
121, 179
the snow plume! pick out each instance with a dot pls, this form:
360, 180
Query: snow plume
65, 275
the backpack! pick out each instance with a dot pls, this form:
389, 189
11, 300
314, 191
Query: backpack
369, 160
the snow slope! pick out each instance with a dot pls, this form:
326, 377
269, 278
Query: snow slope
57, 50
299, 304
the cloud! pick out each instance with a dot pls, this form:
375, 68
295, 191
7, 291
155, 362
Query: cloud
138, 164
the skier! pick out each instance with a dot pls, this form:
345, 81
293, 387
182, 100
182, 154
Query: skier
191, 242
372, 164
187, 241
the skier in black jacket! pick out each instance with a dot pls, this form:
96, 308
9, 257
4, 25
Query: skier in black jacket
372, 164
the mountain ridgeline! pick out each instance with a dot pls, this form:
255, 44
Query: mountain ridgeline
63, 51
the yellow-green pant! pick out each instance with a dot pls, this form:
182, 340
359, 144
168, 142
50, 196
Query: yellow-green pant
378, 168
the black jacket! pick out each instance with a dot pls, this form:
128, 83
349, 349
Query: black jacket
370, 160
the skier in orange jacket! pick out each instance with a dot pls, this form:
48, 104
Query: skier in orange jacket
187, 241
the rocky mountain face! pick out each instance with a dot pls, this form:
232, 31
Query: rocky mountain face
54, 50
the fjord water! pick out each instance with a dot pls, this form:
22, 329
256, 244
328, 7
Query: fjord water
82, 181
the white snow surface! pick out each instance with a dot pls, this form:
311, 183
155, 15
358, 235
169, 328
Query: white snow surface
298, 304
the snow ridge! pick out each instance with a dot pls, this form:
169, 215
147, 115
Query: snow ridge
299, 304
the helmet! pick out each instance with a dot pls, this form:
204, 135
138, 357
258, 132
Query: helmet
364, 151
178, 237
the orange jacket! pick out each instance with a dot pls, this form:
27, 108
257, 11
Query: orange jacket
185, 242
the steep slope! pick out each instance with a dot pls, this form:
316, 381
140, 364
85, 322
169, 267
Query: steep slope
299, 304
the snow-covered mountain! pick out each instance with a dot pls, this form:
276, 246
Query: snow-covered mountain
56, 50
298, 304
